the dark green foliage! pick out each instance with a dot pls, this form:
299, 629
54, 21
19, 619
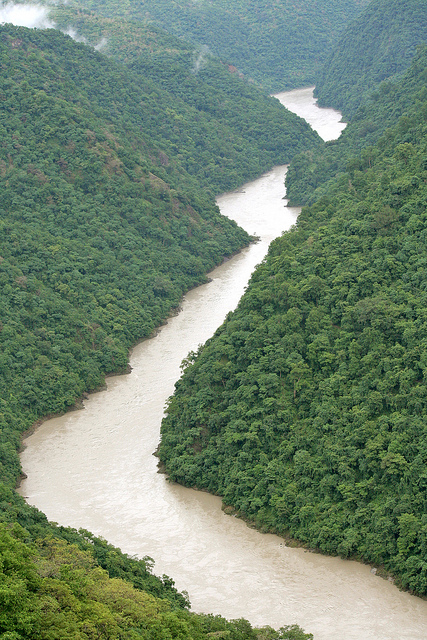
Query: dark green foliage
278, 44
96, 244
307, 410
101, 230
310, 171
102, 226
378, 46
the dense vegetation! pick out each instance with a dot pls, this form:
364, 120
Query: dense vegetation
307, 409
52, 590
377, 46
278, 44
224, 129
310, 171
101, 231
103, 226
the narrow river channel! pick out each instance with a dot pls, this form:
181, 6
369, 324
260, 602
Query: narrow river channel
95, 469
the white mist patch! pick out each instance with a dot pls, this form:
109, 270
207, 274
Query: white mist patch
37, 16
70, 31
101, 44
25, 15
200, 58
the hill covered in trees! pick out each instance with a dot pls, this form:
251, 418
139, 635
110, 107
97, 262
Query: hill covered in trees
307, 410
310, 172
377, 46
52, 589
224, 129
278, 44
102, 230
107, 175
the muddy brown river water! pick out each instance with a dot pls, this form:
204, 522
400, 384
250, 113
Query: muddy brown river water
95, 469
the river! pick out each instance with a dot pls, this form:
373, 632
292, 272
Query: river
95, 469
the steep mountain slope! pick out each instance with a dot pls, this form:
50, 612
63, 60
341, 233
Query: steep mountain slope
102, 230
377, 46
225, 129
278, 44
307, 410
310, 172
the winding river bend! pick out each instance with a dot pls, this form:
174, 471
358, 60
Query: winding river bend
95, 469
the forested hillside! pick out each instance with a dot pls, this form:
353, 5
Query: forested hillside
307, 410
278, 44
102, 230
310, 171
103, 225
54, 590
377, 46
224, 129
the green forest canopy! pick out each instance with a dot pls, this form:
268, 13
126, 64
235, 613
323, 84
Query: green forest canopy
377, 46
224, 129
310, 171
54, 590
359, 78
91, 192
102, 228
278, 44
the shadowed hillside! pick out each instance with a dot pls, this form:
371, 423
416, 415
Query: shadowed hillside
376, 47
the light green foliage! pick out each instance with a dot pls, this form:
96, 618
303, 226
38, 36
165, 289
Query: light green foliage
307, 409
52, 590
290, 632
